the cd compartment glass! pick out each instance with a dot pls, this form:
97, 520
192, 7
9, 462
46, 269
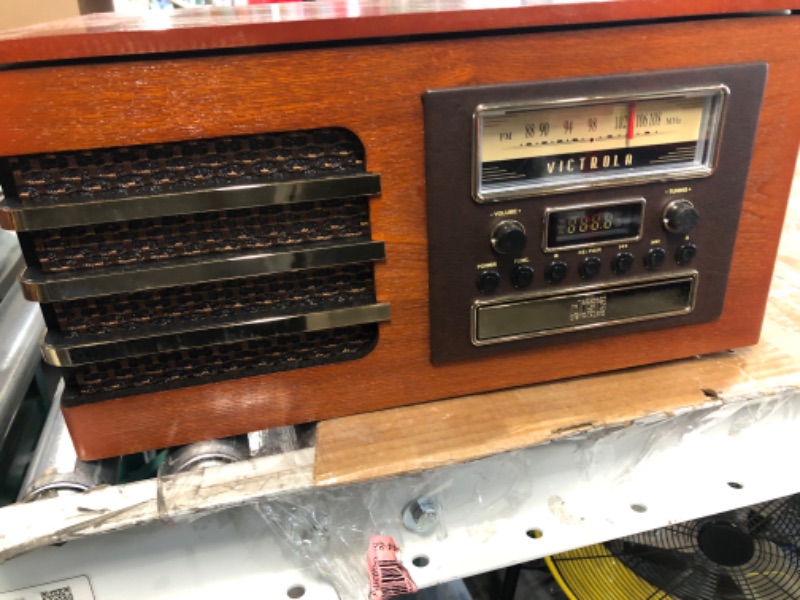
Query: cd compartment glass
583, 308
529, 149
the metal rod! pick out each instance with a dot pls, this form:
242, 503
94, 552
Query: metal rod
61, 351
21, 326
19, 217
55, 469
102, 282
210, 453
10, 261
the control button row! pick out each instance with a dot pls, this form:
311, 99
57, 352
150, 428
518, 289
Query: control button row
522, 275
489, 280
680, 216
655, 257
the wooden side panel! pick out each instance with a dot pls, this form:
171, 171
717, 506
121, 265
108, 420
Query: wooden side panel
375, 91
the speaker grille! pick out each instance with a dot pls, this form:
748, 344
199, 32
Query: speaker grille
199, 234
196, 366
283, 293
160, 168
175, 264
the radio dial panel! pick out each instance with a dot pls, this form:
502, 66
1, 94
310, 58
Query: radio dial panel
599, 185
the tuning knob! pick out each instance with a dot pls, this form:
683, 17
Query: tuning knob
680, 216
508, 237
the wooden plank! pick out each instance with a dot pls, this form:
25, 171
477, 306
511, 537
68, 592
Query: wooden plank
427, 436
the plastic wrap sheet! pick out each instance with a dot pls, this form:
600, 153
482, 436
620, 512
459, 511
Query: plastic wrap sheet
331, 530
179, 498
177, 492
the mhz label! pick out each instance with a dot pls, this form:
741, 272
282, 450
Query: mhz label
75, 588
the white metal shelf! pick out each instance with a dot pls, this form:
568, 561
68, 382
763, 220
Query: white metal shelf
575, 492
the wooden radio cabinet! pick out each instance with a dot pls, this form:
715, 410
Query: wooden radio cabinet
261, 217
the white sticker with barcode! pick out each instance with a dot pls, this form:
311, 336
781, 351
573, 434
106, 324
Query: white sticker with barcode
76, 588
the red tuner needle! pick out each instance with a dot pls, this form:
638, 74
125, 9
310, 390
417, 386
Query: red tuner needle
631, 119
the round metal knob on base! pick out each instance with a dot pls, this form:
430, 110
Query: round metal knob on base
556, 272
508, 237
488, 281
680, 216
589, 267
522, 276
622, 263
654, 259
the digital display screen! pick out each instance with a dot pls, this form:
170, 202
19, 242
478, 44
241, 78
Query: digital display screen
590, 225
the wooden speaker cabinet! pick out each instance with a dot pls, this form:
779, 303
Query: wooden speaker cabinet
254, 218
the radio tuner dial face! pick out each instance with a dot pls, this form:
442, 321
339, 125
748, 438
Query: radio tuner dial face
680, 216
508, 237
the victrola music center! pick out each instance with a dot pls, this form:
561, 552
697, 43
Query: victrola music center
256, 218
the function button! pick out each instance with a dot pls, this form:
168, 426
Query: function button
589, 267
556, 272
521, 276
655, 258
508, 237
488, 281
622, 263
680, 216
685, 254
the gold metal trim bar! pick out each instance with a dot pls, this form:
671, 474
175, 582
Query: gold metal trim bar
20, 217
60, 352
39, 287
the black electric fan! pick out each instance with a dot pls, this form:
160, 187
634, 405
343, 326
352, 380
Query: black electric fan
751, 553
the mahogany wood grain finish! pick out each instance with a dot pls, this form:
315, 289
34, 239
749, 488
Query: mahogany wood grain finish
374, 90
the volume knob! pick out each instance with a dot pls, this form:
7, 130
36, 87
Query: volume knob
680, 216
508, 237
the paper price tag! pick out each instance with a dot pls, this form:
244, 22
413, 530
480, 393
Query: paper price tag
75, 588
387, 575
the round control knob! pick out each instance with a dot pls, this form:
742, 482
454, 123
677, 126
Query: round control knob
622, 263
685, 254
589, 267
680, 216
488, 281
556, 272
508, 237
655, 258
521, 276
